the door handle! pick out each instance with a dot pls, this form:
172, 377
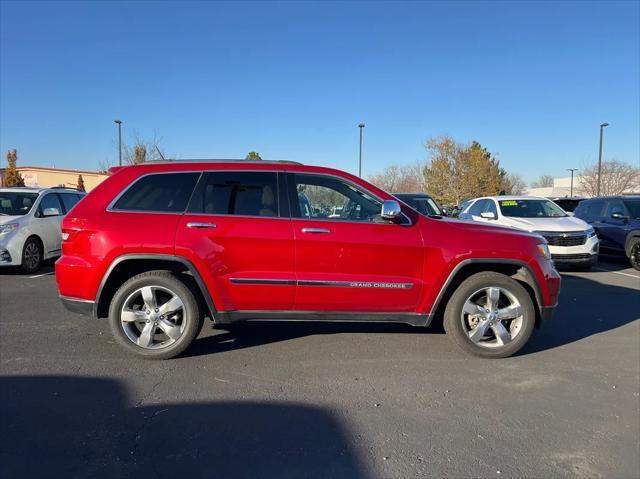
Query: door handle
315, 230
192, 224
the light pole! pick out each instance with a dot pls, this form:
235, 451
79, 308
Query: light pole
361, 126
602, 127
119, 123
571, 170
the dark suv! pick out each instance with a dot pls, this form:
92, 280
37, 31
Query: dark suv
616, 220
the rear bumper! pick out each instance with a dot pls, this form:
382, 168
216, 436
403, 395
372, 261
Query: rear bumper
78, 306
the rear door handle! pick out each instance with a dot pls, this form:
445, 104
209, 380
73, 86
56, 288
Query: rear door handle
192, 224
315, 230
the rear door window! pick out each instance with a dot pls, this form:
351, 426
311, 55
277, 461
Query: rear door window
590, 210
158, 192
242, 193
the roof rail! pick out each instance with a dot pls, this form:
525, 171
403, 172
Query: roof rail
223, 160
62, 187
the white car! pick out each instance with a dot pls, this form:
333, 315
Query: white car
571, 240
30, 224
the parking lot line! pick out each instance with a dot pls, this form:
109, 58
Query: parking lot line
40, 275
617, 272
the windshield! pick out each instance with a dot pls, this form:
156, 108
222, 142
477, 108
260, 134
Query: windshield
426, 206
16, 203
422, 204
634, 208
531, 209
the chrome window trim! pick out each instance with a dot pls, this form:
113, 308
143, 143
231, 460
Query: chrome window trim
110, 208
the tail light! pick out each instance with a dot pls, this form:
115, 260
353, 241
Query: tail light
71, 227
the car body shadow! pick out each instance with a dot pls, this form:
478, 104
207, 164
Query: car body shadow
249, 334
586, 308
48, 266
61, 426
613, 262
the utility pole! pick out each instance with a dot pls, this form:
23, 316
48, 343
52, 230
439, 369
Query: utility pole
571, 170
361, 126
602, 127
119, 123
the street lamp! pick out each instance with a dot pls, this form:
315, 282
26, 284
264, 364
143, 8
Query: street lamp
571, 170
361, 126
119, 123
602, 127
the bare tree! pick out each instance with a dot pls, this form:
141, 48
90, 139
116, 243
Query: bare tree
143, 149
617, 178
513, 184
545, 181
399, 178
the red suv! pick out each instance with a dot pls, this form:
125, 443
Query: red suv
159, 246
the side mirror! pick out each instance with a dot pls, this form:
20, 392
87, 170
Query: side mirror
618, 216
50, 212
391, 211
488, 215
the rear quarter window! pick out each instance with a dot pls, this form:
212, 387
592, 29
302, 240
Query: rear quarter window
159, 192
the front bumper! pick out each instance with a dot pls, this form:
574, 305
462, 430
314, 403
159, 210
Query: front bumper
78, 306
582, 259
11, 245
583, 254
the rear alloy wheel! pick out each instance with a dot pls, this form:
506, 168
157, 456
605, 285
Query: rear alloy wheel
490, 315
155, 315
634, 254
32, 255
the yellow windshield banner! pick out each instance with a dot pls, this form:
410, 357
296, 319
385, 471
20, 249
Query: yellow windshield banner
509, 203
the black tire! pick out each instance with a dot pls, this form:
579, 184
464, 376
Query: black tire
634, 254
32, 255
190, 315
455, 323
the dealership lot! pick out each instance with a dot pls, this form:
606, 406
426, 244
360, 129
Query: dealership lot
317, 400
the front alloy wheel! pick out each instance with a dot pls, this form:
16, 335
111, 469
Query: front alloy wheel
490, 315
155, 315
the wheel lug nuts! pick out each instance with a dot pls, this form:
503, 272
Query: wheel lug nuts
157, 310
161, 317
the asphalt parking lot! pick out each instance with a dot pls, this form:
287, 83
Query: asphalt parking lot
315, 400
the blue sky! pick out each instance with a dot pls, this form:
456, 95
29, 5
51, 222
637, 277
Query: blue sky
530, 81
